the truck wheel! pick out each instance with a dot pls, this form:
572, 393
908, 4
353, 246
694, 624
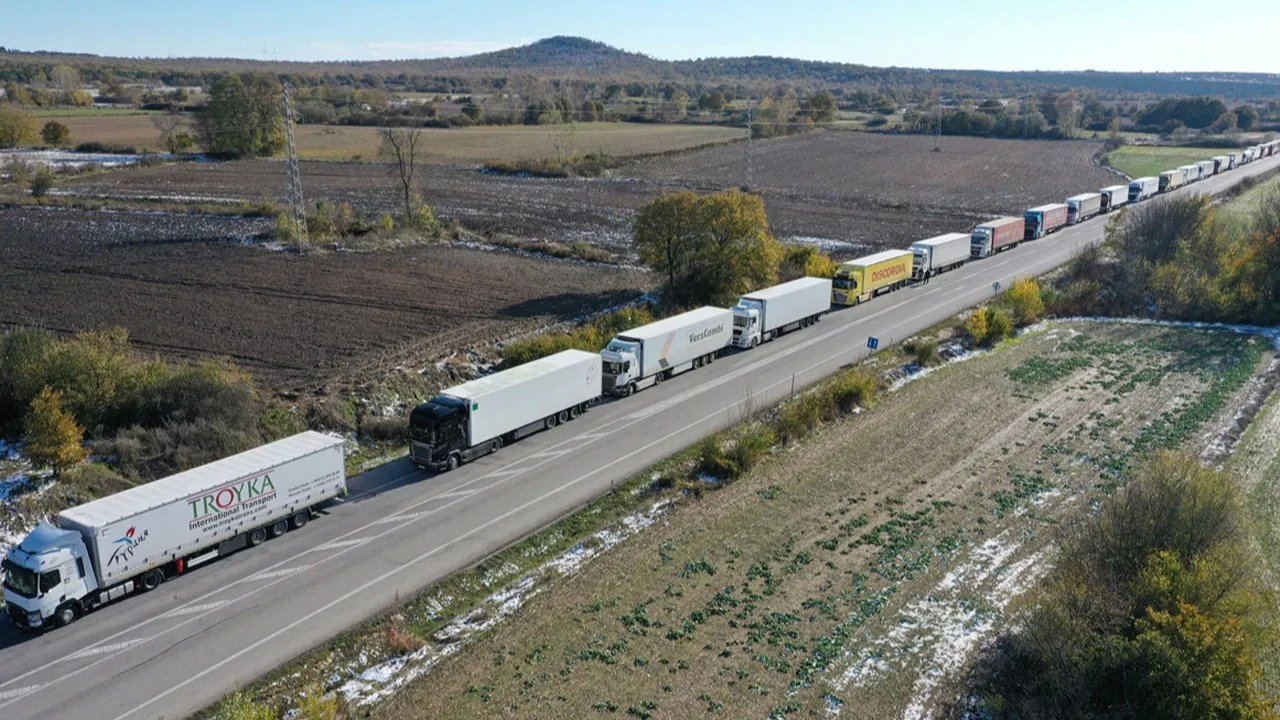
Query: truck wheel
754, 342
564, 416
552, 421
154, 577
631, 390
495, 445
279, 528
300, 519
453, 462
66, 614
657, 379
574, 412
257, 536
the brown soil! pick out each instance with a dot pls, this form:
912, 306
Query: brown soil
850, 190
189, 286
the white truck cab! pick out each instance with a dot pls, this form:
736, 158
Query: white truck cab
621, 366
746, 323
47, 577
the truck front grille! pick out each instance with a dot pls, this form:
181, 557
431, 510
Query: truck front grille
421, 453
17, 614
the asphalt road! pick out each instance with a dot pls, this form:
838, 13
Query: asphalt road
170, 652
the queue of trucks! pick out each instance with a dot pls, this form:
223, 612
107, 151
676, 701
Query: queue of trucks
134, 540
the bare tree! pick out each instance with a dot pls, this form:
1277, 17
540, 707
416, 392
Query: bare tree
401, 146
173, 131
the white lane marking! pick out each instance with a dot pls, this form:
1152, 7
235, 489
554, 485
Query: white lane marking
342, 543
380, 521
113, 647
627, 419
16, 693
549, 453
455, 494
272, 574
194, 609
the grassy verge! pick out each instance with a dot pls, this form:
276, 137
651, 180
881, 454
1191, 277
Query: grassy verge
590, 165
263, 208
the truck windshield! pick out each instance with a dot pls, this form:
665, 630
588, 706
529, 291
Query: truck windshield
19, 580
740, 320
612, 368
842, 283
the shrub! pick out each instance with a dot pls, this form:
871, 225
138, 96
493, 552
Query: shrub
590, 336
242, 707
854, 389
1025, 302
400, 639
53, 437
316, 704
925, 352
55, 133
977, 326
18, 172
41, 182
999, 324
384, 429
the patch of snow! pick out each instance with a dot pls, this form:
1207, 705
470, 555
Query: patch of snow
66, 159
379, 681
950, 353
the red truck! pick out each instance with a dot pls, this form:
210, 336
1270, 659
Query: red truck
1044, 219
993, 236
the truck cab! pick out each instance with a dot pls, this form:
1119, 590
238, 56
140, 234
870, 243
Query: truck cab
980, 242
438, 432
746, 323
47, 577
844, 288
622, 365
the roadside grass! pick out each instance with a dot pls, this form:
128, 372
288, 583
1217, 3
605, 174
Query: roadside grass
751, 601
1245, 206
754, 597
80, 112
1256, 465
1149, 160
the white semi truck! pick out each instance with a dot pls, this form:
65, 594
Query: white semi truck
133, 540
1113, 196
1143, 188
479, 417
1083, 206
939, 253
763, 315
649, 354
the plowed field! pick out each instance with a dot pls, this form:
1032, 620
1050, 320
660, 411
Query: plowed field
187, 286
846, 190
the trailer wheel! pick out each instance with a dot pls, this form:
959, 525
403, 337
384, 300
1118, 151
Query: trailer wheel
66, 614
657, 379
154, 577
279, 528
257, 536
495, 445
564, 416
300, 519
574, 412
552, 421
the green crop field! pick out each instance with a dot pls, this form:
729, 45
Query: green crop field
454, 145
1145, 160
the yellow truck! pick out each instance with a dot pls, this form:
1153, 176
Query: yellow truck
859, 280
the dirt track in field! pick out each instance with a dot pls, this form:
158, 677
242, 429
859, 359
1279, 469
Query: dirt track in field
846, 190
189, 287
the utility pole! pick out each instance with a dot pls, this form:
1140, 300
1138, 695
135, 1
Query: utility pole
749, 134
296, 204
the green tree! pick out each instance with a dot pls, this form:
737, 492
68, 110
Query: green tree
1246, 117
53, 437
41, 182
999, 324
17, 127
244, 117
821, 107
710, 248
55, 133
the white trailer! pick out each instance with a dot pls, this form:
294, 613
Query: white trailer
940, 253
1083, 206
649, 354
1190, 173
763, 315
1113, 196
479, 417
1206, 168
1143, 188
1221, 163
105, 549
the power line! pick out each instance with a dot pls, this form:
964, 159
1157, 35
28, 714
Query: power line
295, 177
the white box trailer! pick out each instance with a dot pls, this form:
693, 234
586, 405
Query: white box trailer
765, 314
1113, 196
1083, 206
105, 549
1143, 188
649, 354
1221, 163
939, 253
1190, 173
480, 416
1206, 168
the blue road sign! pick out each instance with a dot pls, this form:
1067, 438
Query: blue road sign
873, 343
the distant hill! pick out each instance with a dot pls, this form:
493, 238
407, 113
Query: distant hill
579, 58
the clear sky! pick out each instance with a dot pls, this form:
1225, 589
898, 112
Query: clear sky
1135, 35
